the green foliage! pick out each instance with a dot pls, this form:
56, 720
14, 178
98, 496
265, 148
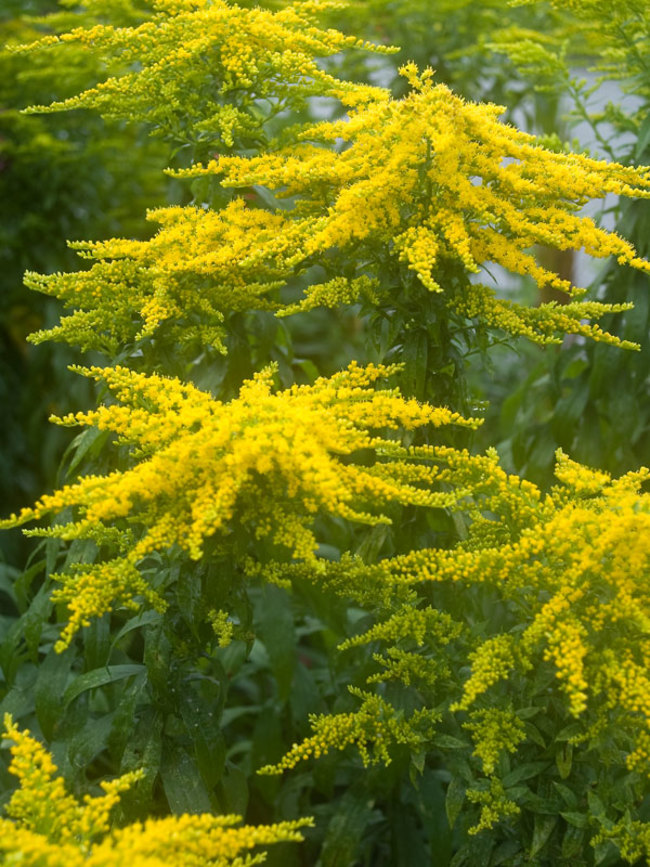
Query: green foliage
575, 398
59, 179
272, 584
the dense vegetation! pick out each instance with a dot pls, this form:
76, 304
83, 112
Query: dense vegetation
349, 562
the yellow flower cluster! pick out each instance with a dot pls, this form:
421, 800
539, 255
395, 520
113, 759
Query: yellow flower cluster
491, 662
179, 285
200, 266
439, 179
494, 730
408, 667
204, 69
47, 826
430, 178
416, 625
42, 804
274, 459
579, 559
373, 729
495, 805
632, 839
222, 625
571, 569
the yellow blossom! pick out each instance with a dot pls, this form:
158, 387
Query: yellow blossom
440, 180
274, 459
184, 67
47, 826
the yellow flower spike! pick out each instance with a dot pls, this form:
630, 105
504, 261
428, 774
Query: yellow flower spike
430, 178
48, 826
196, 54
495, 805
273, 457
438, 179
571, 569
42, 805
373, 729
494, 731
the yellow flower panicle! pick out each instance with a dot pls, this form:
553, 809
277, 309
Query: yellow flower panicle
46, 825
571, 569
431, 179
439, 180
205, 69
373, 729
576, 561
494, 730
273, 459
200, 266
43, 806
495, 805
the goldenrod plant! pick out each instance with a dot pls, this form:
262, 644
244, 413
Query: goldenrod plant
266, 461
253, 562
61, 178
47, 825
208, 73
536, 688
596, 57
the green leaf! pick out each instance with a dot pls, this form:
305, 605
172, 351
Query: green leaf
643, 139
569, 732
23, 583
189, 599
124, 718
573, 842
542, 829
533, 734
86, 744
34, 619
575, 819
99, 677
524, 772
50, 685
89, 443
19, 701
157, 656
143, 751
276, 629
477, 850
371, 543
568, 795
345, 829
145, 618
528, 712
96, 641
596, 806
454, 800
233, 790
415, 355
605, 853
184, 788
449, 742
8, 576
564, 760
417, 761
505, 852
203, 727
305, 697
